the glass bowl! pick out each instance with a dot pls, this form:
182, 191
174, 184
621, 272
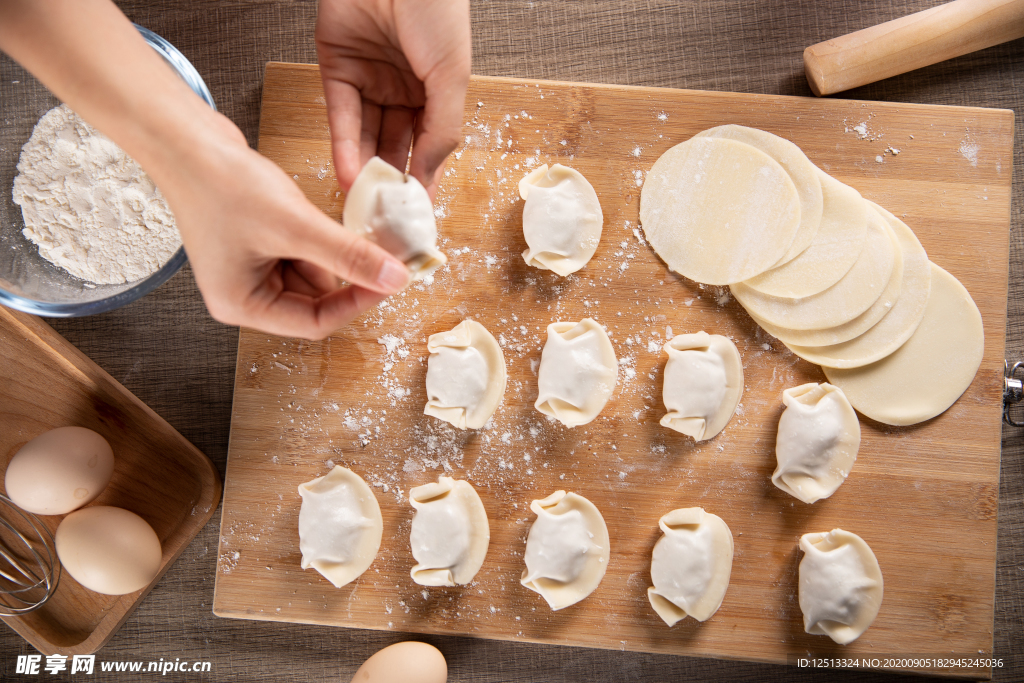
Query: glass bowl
28, 282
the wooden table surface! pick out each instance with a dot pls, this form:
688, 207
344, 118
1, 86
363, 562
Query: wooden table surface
171, 354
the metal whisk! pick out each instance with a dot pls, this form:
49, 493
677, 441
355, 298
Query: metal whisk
29, 568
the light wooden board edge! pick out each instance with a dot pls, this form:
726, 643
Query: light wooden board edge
655, 90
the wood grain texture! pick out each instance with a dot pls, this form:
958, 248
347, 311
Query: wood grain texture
911, 42
48, 383
169, 352
925, 497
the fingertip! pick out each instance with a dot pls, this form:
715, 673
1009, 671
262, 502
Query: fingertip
347, 163
428, 157
435, 182
345, 120
438, 174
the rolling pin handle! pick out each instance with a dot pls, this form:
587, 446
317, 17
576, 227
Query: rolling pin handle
911, 42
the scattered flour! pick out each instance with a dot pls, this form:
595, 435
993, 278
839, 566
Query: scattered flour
394, 352
969, 149
862, 129
379, 429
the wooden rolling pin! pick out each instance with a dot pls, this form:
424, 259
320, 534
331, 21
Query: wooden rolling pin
911, 42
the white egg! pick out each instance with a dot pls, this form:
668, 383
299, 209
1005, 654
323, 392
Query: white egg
59, 471
408, 662
108, 550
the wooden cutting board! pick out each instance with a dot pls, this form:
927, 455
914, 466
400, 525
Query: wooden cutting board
923, 497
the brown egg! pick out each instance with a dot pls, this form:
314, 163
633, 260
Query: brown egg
408, 662
108, 550
59, 471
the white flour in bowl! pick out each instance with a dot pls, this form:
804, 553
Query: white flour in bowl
88, 206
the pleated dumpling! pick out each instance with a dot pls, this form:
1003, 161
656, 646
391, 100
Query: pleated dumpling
818, 440
690, 566
466, 375
394, 210
567, 549
703, 384
577, 372
562, 219
840, 585
340, 525
450, 533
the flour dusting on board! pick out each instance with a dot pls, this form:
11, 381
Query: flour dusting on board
969, 149
368, 415
357, 399
863, 129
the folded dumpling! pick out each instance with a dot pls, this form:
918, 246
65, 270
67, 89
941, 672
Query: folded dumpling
691, 565
393, 209
466, 375
818, 440
567, 549
840, 585
577, 372
562, 219
450, 533
703, 384
340, 525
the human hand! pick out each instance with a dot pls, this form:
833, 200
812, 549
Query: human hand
262, 254
395, 72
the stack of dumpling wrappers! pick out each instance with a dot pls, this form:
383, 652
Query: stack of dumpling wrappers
838, 279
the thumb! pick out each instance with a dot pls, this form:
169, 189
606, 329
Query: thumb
352, 258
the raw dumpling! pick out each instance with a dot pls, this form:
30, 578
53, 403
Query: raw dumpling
449, 534
465, 375
393, 209
840, 585
690, 565
562, 219
703, 384
577, 372
819, 436
340, 526
567, 550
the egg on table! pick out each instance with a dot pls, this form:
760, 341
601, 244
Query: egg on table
408, 662
108, 550
59, 471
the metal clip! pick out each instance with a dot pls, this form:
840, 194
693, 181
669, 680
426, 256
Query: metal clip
1013, 391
